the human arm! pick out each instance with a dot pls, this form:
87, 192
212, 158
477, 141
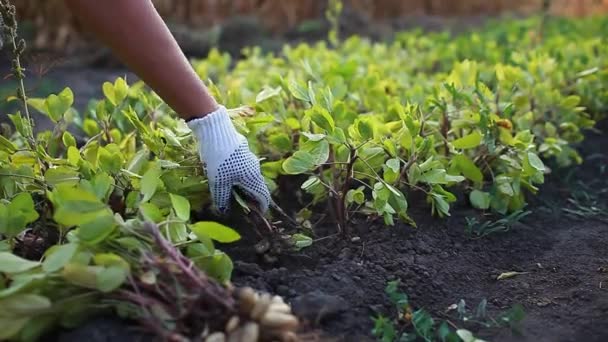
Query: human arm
137, 35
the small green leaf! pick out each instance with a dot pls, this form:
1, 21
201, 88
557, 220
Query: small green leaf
68, 139
24, 304
61, 174
111, 278
299, 162
7, 146
322, 118
480, 199
468, 141
11, 326
215, 231
468, 168
58, 256
151, 212
434, 176
267, 93
10, 263
299, 92
102, 185
535, 162
310, 183
355, 196
138, 160
90, 127
365, 129
218, 266
17, 214
150, 182
73, 156
108, 91
81, 275
181, 205
57, 105
121, 90
301, 241
23, 204
98, 229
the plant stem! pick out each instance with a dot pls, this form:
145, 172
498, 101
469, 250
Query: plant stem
407, 166
352, 158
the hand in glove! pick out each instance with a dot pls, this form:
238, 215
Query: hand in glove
228, 160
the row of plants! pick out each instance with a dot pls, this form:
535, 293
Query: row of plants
370, 123
97, 213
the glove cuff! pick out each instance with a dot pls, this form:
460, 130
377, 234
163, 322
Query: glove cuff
215, 131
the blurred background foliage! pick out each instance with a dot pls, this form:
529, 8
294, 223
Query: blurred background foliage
198, 23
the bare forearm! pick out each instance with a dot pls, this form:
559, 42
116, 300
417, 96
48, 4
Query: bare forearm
139, 38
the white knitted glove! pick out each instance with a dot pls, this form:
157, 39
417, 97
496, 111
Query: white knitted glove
227, 160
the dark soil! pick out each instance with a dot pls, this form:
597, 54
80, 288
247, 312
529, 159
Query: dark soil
336, 285
564, 259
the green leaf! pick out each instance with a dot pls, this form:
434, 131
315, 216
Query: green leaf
23, 205
151, 212
11, 326
178, 232
299, 162
81, 275
68, 139
215, 231
322, 118
73, 156
7, 146
58, 256
110, 278
98, 229
267, 93
102, 185
434, 176
150, 182
468, 141
76, 206
480, 199
356, 196
121, 90
310, 183
138, 160
467, 168
26, 304
90, 127
181, 205
319, 150
57, 105
15, 216
281, 141
218, 266
365, 129
535, 162
314, 137
10, 263
108, 91
301, 241
298, 91
61, 174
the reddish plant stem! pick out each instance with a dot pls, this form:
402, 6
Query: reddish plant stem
352, 158
407, 166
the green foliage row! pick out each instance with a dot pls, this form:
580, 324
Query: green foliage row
370, 123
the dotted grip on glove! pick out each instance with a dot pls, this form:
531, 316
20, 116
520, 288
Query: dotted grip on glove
228, 161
